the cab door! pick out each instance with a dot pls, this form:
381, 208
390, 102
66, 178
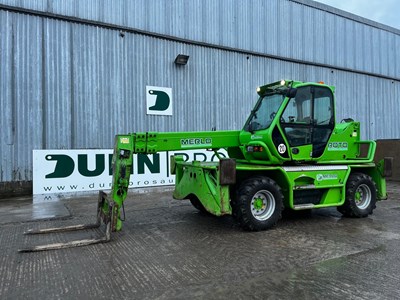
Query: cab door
308, 121
323, 120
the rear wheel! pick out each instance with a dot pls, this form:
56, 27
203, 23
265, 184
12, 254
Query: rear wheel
258, 203
360, 196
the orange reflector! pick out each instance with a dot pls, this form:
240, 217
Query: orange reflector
321, 82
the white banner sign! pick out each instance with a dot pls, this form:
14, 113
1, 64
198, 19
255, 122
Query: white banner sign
64, 171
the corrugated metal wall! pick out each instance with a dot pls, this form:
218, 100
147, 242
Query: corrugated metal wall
294, 29
69, 85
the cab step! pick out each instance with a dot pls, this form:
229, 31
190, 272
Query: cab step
303, 206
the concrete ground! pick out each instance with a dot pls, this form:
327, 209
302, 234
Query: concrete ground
169, 250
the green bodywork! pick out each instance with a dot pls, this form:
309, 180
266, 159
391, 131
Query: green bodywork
312, 171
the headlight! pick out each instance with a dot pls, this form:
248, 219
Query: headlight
283, 82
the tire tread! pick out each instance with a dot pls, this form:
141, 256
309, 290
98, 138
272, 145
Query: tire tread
244, 194
349, 208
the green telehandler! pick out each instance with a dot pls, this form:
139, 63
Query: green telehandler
291, 154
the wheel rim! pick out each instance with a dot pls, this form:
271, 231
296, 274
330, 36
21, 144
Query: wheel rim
262, 205
363, 196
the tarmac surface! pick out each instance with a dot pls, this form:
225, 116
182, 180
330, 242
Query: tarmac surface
169, 250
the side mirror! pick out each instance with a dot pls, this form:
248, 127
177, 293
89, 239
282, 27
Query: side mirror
291, 92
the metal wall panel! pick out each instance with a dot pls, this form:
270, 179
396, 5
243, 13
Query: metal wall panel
7, 106
299, 29
27, 91
57, 64
69, 85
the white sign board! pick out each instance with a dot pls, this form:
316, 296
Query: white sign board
64, 171
159, 100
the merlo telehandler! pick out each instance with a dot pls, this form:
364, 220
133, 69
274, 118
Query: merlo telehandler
291, 154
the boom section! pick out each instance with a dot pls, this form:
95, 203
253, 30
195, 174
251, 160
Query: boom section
153, 142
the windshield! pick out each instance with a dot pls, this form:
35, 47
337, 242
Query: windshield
265, 111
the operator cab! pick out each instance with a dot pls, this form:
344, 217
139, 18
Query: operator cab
298, 118
308, 118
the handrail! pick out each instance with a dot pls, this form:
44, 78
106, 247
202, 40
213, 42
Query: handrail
371, 150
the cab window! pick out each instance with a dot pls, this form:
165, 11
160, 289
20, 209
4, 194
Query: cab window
308, 118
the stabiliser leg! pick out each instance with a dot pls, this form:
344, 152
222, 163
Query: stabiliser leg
106, 211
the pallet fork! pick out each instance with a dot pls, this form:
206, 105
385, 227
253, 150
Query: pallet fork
106, 212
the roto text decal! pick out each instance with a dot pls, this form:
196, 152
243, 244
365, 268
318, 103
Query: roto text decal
63, 171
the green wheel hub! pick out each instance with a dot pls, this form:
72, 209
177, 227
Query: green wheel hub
258, 203
363, 196
262, 205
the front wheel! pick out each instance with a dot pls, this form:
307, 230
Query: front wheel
259, 203
360, 196
197, 204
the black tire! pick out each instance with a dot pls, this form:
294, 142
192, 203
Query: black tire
360, 196
197, 204
258, 204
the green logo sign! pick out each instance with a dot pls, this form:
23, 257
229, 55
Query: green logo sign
191, 143
321, 177
159, 100
162, 100
338, 146
65, 165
